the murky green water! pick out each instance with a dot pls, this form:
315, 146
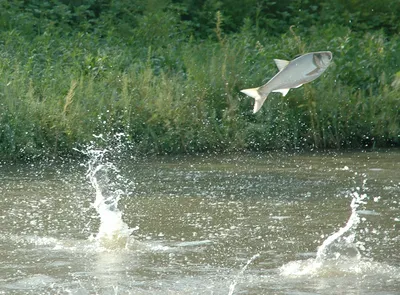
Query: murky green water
200, 220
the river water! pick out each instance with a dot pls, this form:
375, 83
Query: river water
268, 223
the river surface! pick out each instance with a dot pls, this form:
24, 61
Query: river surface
237, 224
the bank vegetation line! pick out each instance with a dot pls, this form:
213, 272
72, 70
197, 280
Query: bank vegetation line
169, 76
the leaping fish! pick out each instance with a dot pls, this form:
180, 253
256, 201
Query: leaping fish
292, 74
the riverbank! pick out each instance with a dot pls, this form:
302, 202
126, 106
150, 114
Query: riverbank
174, 91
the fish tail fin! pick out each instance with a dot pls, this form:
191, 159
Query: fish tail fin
259, 98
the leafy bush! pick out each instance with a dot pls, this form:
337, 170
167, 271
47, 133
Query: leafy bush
168, 75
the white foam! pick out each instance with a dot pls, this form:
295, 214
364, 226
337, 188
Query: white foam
352, 223
340, 267
108, 184
339, 253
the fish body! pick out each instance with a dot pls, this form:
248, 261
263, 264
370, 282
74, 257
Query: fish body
292, 74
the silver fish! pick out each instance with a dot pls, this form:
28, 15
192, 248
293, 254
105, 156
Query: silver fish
292, 74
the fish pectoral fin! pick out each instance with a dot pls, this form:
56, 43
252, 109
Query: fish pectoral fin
283, 91
313, 72
281, 63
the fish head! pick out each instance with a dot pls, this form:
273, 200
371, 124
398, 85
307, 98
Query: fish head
322, 59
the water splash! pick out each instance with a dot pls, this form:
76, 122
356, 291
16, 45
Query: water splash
339, 252
109, 186
234, 283
326, 250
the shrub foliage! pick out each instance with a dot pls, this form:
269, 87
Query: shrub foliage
167, 74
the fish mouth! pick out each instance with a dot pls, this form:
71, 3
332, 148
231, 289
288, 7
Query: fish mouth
328, 55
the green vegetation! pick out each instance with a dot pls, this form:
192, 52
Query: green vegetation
168, 75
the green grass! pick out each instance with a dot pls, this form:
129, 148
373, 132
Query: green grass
181, 94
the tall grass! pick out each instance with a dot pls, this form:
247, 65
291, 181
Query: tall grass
181, 95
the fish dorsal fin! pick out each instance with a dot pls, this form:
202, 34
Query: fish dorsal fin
283, 91
281, 63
